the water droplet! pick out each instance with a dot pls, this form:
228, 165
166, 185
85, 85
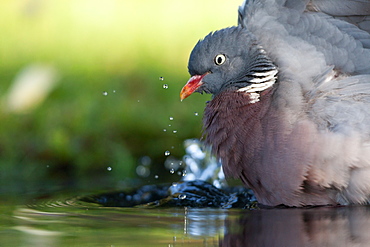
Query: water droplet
109, 168
181, 196
169, 125
165, 86
179, 173
161, 78
138, 101
156, 176
142, 171
145, 160
172, 171
114, 91
196, 113
164, 130
105, 93
175, 131
184, 173
171, 118
167, 153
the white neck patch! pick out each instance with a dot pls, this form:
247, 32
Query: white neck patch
260, 82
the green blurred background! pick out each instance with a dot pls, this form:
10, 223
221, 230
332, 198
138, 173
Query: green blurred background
82, 102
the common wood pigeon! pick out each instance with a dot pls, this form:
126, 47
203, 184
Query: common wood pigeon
290, 113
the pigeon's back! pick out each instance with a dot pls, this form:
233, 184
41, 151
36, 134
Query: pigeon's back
322, 50
317, 33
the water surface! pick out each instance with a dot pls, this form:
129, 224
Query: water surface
68, 221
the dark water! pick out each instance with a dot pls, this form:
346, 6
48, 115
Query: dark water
67, 221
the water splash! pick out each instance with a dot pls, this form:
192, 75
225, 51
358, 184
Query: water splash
181, 196
196, 164
201, 165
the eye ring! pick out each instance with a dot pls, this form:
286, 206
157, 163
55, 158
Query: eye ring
220, 59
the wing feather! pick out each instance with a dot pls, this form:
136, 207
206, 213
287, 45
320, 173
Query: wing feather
323, 46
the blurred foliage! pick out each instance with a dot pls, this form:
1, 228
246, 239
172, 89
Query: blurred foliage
109, 107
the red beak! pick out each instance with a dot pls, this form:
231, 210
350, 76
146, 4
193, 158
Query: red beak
193, 84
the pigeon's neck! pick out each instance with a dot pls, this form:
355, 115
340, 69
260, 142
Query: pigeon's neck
260, 82
254, 91
232, 121
261, 73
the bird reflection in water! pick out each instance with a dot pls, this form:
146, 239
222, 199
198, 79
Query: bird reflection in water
321, 226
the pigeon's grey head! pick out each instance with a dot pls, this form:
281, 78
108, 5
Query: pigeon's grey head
228, 59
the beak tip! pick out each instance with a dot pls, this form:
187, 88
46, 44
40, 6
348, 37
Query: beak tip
182, 97
184, 93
